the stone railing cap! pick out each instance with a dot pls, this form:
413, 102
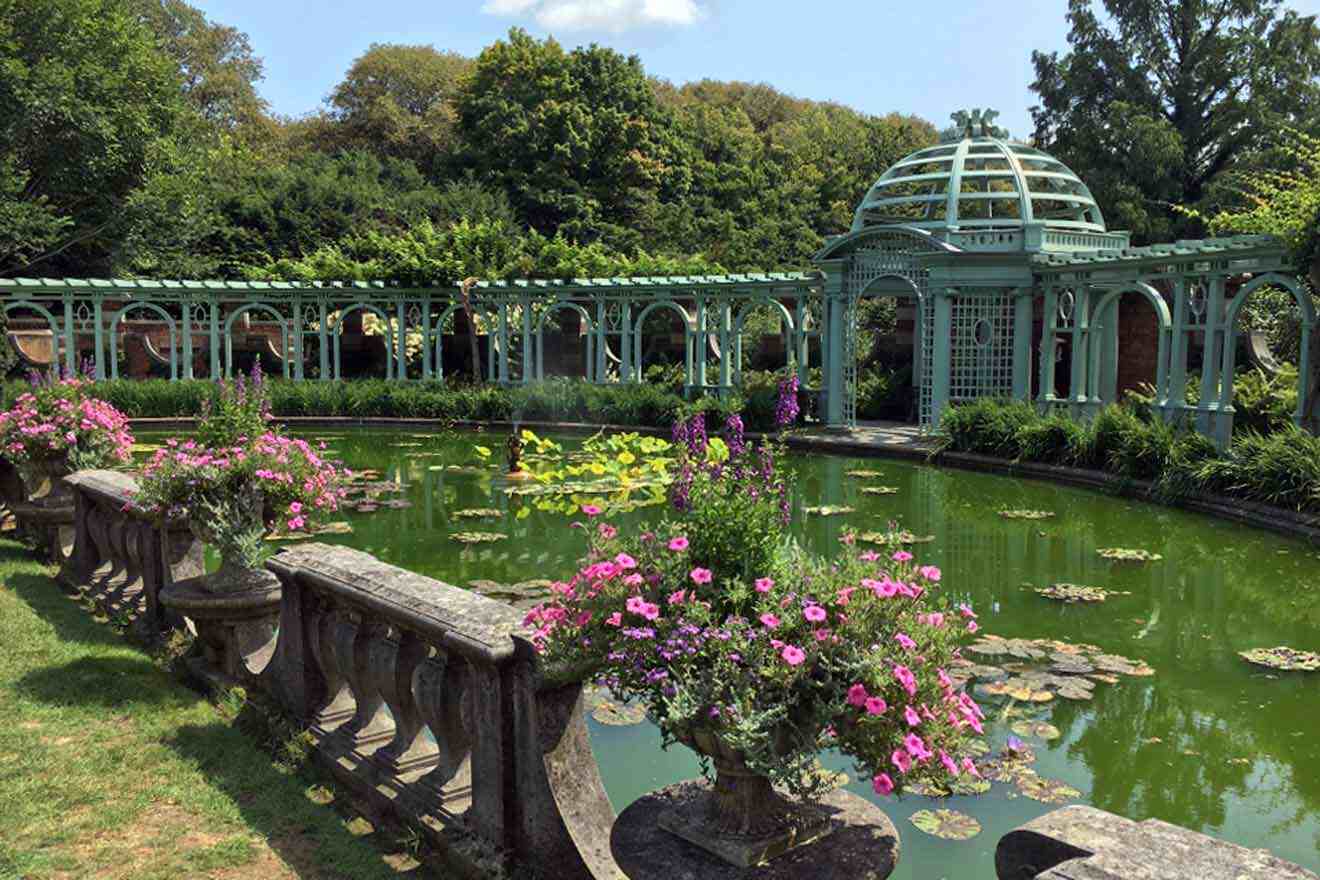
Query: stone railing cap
112, 485
473, 625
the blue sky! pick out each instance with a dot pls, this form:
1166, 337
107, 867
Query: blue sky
929, 58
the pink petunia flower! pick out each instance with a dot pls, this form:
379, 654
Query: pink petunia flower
876, 706
901, 760
910, 715
700, 575
679, 544
883, 785
769, 621
591, 510
765, 585
793, 655
814, 613
857, 695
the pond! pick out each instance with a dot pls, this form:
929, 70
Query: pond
1208, 741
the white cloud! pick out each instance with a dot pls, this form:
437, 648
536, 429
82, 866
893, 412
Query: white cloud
606, 15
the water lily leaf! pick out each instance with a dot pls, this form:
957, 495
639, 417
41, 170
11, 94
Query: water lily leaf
946, 824
830, 510
926, 789
478, 513
880, 490
1127, 554
367, 507
975, 748
478, 537
1283, 658
1103, 677
398, 504
1047, 791
1009, 772
333, 528
1072, 593
865, 474
1027, 514
1039, 729
969, 786
618, 714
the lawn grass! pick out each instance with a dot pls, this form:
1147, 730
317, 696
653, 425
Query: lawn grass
111, 768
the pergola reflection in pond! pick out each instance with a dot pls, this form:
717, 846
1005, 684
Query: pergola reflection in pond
999, 247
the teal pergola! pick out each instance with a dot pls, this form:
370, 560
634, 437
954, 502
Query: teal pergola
999, 248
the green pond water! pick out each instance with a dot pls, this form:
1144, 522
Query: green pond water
1208, 742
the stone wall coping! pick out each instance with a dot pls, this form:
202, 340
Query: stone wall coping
473, 626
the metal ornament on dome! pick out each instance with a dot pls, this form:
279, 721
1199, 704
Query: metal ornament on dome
979, 179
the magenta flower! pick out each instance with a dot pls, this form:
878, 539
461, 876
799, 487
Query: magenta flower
764, 585
679, 544
625, 562
907, 679
902, 556
905, 641
633, 580
876, 706
857, 695
677, 597
295, 508
769, 621
901, 760
615, 619
635, 605
930, 573
700, 575
608, 531
949, 764
814, 613
883, 785
650, 610
910, 715
793, 655
916, 747
972, 626
591, 510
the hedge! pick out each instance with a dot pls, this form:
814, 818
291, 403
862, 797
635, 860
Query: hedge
1281, 468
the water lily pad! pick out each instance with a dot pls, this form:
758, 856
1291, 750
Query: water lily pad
1039, 729
969, 786
397, 504
1047, 791
975, 748
618, 714
865, 474
333, 528
1072, 593
830, 510
366, 507
1283, 658
946, 824
1128, 554
879, 490
478, 513
1027, 514
478, 537
926, 789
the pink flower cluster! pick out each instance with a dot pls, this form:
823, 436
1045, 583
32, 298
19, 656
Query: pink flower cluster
60, 421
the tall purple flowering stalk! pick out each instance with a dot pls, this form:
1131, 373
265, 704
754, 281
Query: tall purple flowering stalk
786, 408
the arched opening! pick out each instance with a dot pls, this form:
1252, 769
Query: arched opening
35, 335
1269, 354
762, 338
1127, 345
663, 348
361, 337
569, 333
887, 352
257, 340
154, 360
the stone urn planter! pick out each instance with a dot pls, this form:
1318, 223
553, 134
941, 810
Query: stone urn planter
742, 827
43, 507
43, 478
235, 609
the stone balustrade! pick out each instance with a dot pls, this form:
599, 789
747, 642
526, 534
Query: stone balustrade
426, 701
121, 557
424, 697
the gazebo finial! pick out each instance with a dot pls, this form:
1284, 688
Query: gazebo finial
977, 123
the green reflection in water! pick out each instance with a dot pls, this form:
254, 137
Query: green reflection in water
1208, 742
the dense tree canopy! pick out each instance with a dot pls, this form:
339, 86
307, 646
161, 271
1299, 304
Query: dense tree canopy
133, 140
1159, 98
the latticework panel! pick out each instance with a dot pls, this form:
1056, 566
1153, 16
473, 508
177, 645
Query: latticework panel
982, 346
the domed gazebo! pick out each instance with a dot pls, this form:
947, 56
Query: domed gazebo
1004, 254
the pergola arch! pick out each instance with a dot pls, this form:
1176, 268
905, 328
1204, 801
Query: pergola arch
1228, 365
1097, 317
558, 306
740, 319
337, 332
688, 330
114, 336
229, 336
55, 341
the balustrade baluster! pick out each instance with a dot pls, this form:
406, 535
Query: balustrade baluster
396, 665
352, 644
339, 705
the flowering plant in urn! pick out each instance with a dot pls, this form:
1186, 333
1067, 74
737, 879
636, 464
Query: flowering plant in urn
237, 476
759, 655
58, 427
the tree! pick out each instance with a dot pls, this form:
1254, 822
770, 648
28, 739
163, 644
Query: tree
1152, 105
218, 70
84, 96
399, 101
577, 139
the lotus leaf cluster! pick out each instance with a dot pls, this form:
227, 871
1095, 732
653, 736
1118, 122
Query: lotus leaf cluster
1283, 658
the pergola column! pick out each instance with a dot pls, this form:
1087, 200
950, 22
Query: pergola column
1208, 408
98, 337
1048, 345
1176, 394
836, 312
213, 329
1022, 314
1081, 340
942, 354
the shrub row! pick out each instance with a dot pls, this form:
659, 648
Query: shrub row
554, 400
1281, 468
